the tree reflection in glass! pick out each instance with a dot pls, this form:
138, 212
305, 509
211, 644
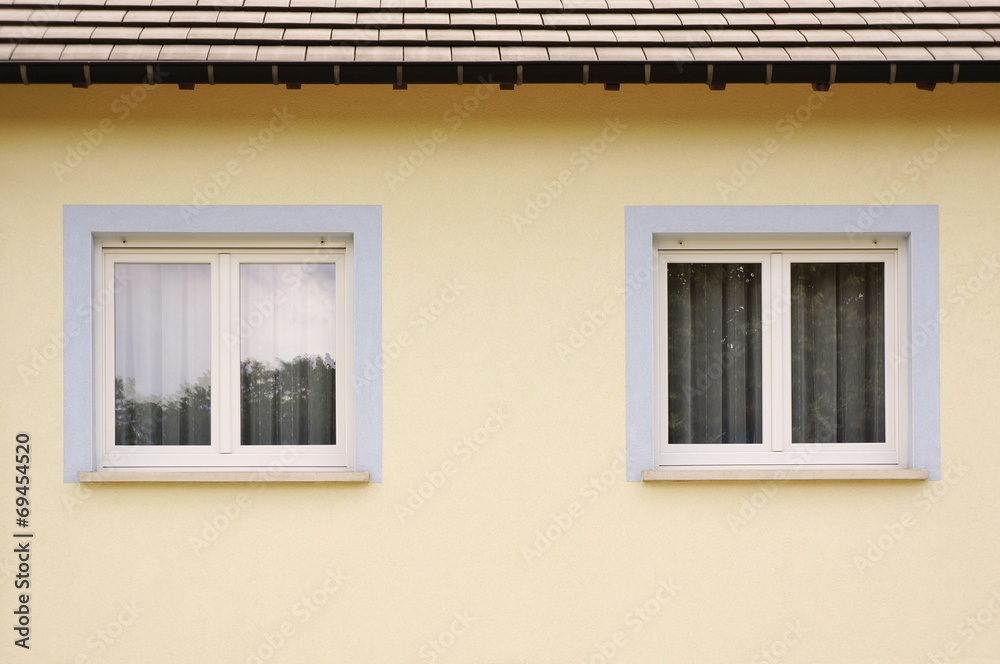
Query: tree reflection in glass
287, 354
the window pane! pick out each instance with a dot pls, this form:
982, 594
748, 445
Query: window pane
714, 353
838, 352
163, 354
288, 354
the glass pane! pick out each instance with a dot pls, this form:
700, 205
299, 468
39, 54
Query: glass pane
288, 354
163, 354
714, 353
838, 352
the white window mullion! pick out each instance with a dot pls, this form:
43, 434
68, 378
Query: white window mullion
779, 364
222, 339
233, 351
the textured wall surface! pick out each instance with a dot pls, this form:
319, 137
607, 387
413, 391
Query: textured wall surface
533, 548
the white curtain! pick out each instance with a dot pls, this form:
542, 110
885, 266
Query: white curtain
287, 355
838, 352
714, 353
163, 325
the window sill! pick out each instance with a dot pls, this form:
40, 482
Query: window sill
723, 475
222, 476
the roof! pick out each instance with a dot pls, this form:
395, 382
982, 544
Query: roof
502, 41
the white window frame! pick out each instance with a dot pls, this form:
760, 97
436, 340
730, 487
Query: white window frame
775, 255
224, 255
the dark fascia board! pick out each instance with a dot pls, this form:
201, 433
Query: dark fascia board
508, 73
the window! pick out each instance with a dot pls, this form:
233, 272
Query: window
774, 339
222, 338
225, 356
777, 353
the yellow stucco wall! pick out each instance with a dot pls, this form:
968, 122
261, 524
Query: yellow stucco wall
746, 568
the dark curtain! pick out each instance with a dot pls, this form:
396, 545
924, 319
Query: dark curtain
714, 353
838, 352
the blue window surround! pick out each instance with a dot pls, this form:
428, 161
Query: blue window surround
918, 223
83, 225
